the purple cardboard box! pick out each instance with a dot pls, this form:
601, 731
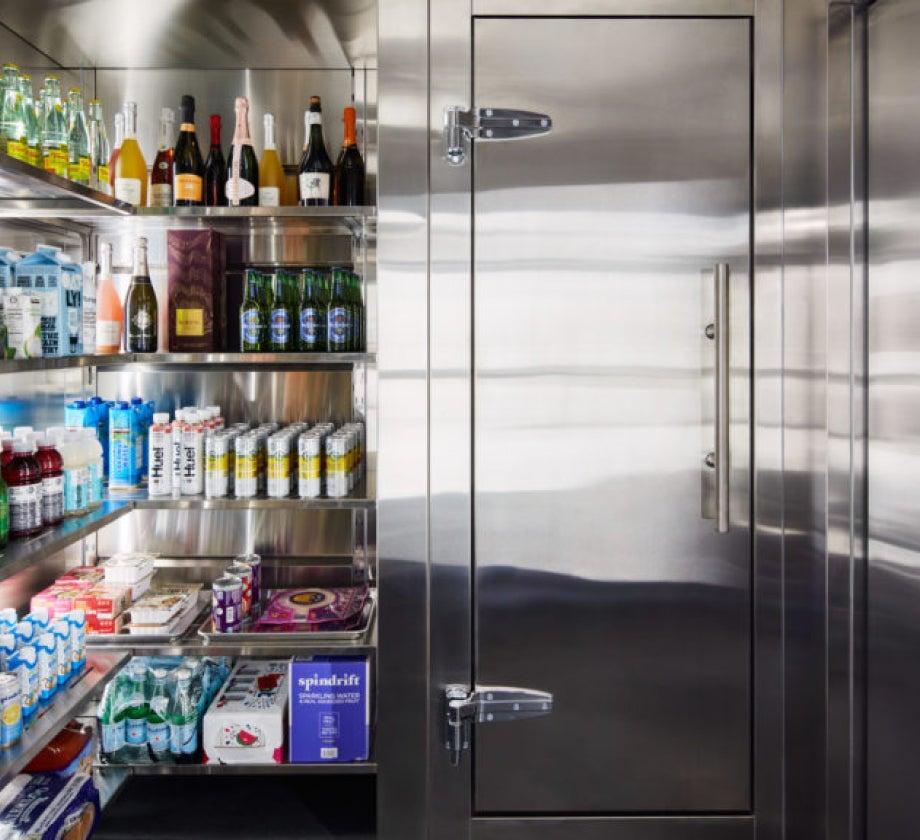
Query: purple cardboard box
330, 709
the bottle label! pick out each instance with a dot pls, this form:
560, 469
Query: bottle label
128, 189
79, 170
102, 176
239, 189
52, 499
158, 736
281, 326
25, 507
314, 185
269, 197
183, 737
338, 327
108, 334
141, 327
314, 117
136, 731
113, 737
160, 195
251, 327
189, 187
17, 149
190, 322
309, 326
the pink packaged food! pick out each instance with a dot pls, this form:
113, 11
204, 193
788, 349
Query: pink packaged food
89, 575
57, 598
313, 608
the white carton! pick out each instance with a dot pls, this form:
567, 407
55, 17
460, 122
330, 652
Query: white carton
246, 722
89, 306
22, 314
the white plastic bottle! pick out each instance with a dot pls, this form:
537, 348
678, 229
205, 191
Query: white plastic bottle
177, 427
159, 482
79, 458
94, 464
193, 454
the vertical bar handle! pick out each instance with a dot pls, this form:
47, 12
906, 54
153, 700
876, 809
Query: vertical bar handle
722, 375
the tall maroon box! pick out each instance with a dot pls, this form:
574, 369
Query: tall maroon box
196, 260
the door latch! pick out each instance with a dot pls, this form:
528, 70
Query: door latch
487, 704
462, 125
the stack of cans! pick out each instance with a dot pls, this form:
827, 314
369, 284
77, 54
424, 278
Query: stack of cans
236, 597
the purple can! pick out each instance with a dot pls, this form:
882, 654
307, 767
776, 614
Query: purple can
227, 604
255, 563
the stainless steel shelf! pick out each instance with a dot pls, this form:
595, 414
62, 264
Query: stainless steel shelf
29, 192
18, 554
100, 668
142, 501
266, 361
327, 769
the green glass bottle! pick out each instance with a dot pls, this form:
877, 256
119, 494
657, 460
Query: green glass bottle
311, 336
281, 333
359, 338
253, 315
54, 129
79, 168
338, 318
30, 118
4, 513
12, 123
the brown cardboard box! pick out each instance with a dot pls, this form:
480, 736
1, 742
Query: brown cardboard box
195, 291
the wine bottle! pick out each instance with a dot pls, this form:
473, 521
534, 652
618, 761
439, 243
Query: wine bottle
242, 166
141, 305
109, 312
161, 176
271, 173
187, 164
215, 169
315, 166
348, 184
130, 166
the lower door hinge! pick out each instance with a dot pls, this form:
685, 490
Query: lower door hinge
487, 704
462, 125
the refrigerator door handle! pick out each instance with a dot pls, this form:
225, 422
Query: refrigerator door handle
721, 460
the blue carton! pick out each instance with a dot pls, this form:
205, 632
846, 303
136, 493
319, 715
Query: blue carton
8, 260
329, 713
59, 284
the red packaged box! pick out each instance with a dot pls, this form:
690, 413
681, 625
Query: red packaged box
106, 600
105, 626
196, 261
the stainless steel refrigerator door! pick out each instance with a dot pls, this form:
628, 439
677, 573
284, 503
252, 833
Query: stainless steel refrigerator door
596, 576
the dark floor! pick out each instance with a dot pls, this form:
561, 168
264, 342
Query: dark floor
241, 808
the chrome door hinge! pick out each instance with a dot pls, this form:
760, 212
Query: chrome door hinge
462, 125
487, 704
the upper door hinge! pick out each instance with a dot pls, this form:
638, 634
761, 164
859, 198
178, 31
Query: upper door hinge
488, 124
487, 704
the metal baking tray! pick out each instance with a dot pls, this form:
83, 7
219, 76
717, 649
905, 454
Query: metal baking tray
120, 640
316, 637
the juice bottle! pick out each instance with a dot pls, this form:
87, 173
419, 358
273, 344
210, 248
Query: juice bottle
23, 478
7, 453
52, 468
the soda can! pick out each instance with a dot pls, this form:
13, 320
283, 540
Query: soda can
254, 561
279, 465
245, 574
226, 604
336, 466
7, 648
77, 621
64, 652
216, 465
8, 620
246, 479
24, 632
309, 465
10, 710
25, 663
46, 647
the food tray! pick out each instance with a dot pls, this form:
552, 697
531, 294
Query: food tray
315, 637
120, 640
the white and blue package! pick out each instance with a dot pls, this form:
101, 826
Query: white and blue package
329, 711
48, 807
58, 283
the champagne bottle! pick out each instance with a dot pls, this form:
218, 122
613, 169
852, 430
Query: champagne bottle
188, 166
271, 173
161, 175
141, 305
348, 184
215, 169
242, 166
315, 166
130, 166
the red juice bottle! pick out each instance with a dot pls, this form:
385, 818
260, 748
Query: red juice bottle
52, 467
23, 477
7, 454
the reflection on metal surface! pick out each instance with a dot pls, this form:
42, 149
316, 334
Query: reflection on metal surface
246, 33
893, 306
588, 247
